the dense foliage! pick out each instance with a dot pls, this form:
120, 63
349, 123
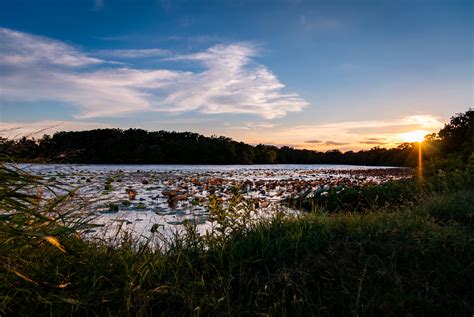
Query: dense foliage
136, 146
141, 147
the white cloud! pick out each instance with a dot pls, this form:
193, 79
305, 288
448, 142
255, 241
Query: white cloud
232, 83
23, 50
37, 68
97, 93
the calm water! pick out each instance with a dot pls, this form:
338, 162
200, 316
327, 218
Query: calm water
169, 195
191, 168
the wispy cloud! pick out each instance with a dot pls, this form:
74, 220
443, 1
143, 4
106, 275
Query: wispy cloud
249, 126
37, 129
201, 39
24, 50
230, 80
321, 142
233, 83
325, 142
134, 53
372, 142
348, 135
314, 141
335, 143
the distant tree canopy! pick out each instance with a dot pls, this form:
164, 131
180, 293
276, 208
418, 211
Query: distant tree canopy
136, 146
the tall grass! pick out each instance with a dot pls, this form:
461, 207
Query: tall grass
416, 259
406, 192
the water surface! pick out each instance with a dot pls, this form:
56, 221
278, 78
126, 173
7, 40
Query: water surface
169, 195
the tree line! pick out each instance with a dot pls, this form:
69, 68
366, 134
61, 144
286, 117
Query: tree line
137, 146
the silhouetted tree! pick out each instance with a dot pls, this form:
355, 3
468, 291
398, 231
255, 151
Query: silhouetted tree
137, 146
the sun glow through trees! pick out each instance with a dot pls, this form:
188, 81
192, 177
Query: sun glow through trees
414, 136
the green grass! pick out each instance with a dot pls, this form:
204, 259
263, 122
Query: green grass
361, 198
456, 208
399, 259
405, 192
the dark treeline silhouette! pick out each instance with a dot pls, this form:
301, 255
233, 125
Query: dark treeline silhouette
136, 146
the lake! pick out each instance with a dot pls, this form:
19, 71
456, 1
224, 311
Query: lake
136, 197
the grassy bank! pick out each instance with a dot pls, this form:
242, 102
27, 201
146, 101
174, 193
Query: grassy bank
404, 192
394, 259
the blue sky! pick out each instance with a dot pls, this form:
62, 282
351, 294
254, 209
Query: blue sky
310, 74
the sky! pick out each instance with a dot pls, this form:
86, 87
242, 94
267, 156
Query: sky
308, 74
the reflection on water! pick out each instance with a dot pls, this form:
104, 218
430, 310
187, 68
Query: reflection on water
138, 197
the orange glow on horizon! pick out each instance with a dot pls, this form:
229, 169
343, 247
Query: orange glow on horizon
414, 136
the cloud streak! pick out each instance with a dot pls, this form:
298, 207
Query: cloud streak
349, 135
35, 68
335, 143
325, 142
314, 141
15, 130
22, 50
134, 53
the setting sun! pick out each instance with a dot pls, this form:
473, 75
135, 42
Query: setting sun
414, 136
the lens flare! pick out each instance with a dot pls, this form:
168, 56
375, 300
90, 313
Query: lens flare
420, 162
414, 136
